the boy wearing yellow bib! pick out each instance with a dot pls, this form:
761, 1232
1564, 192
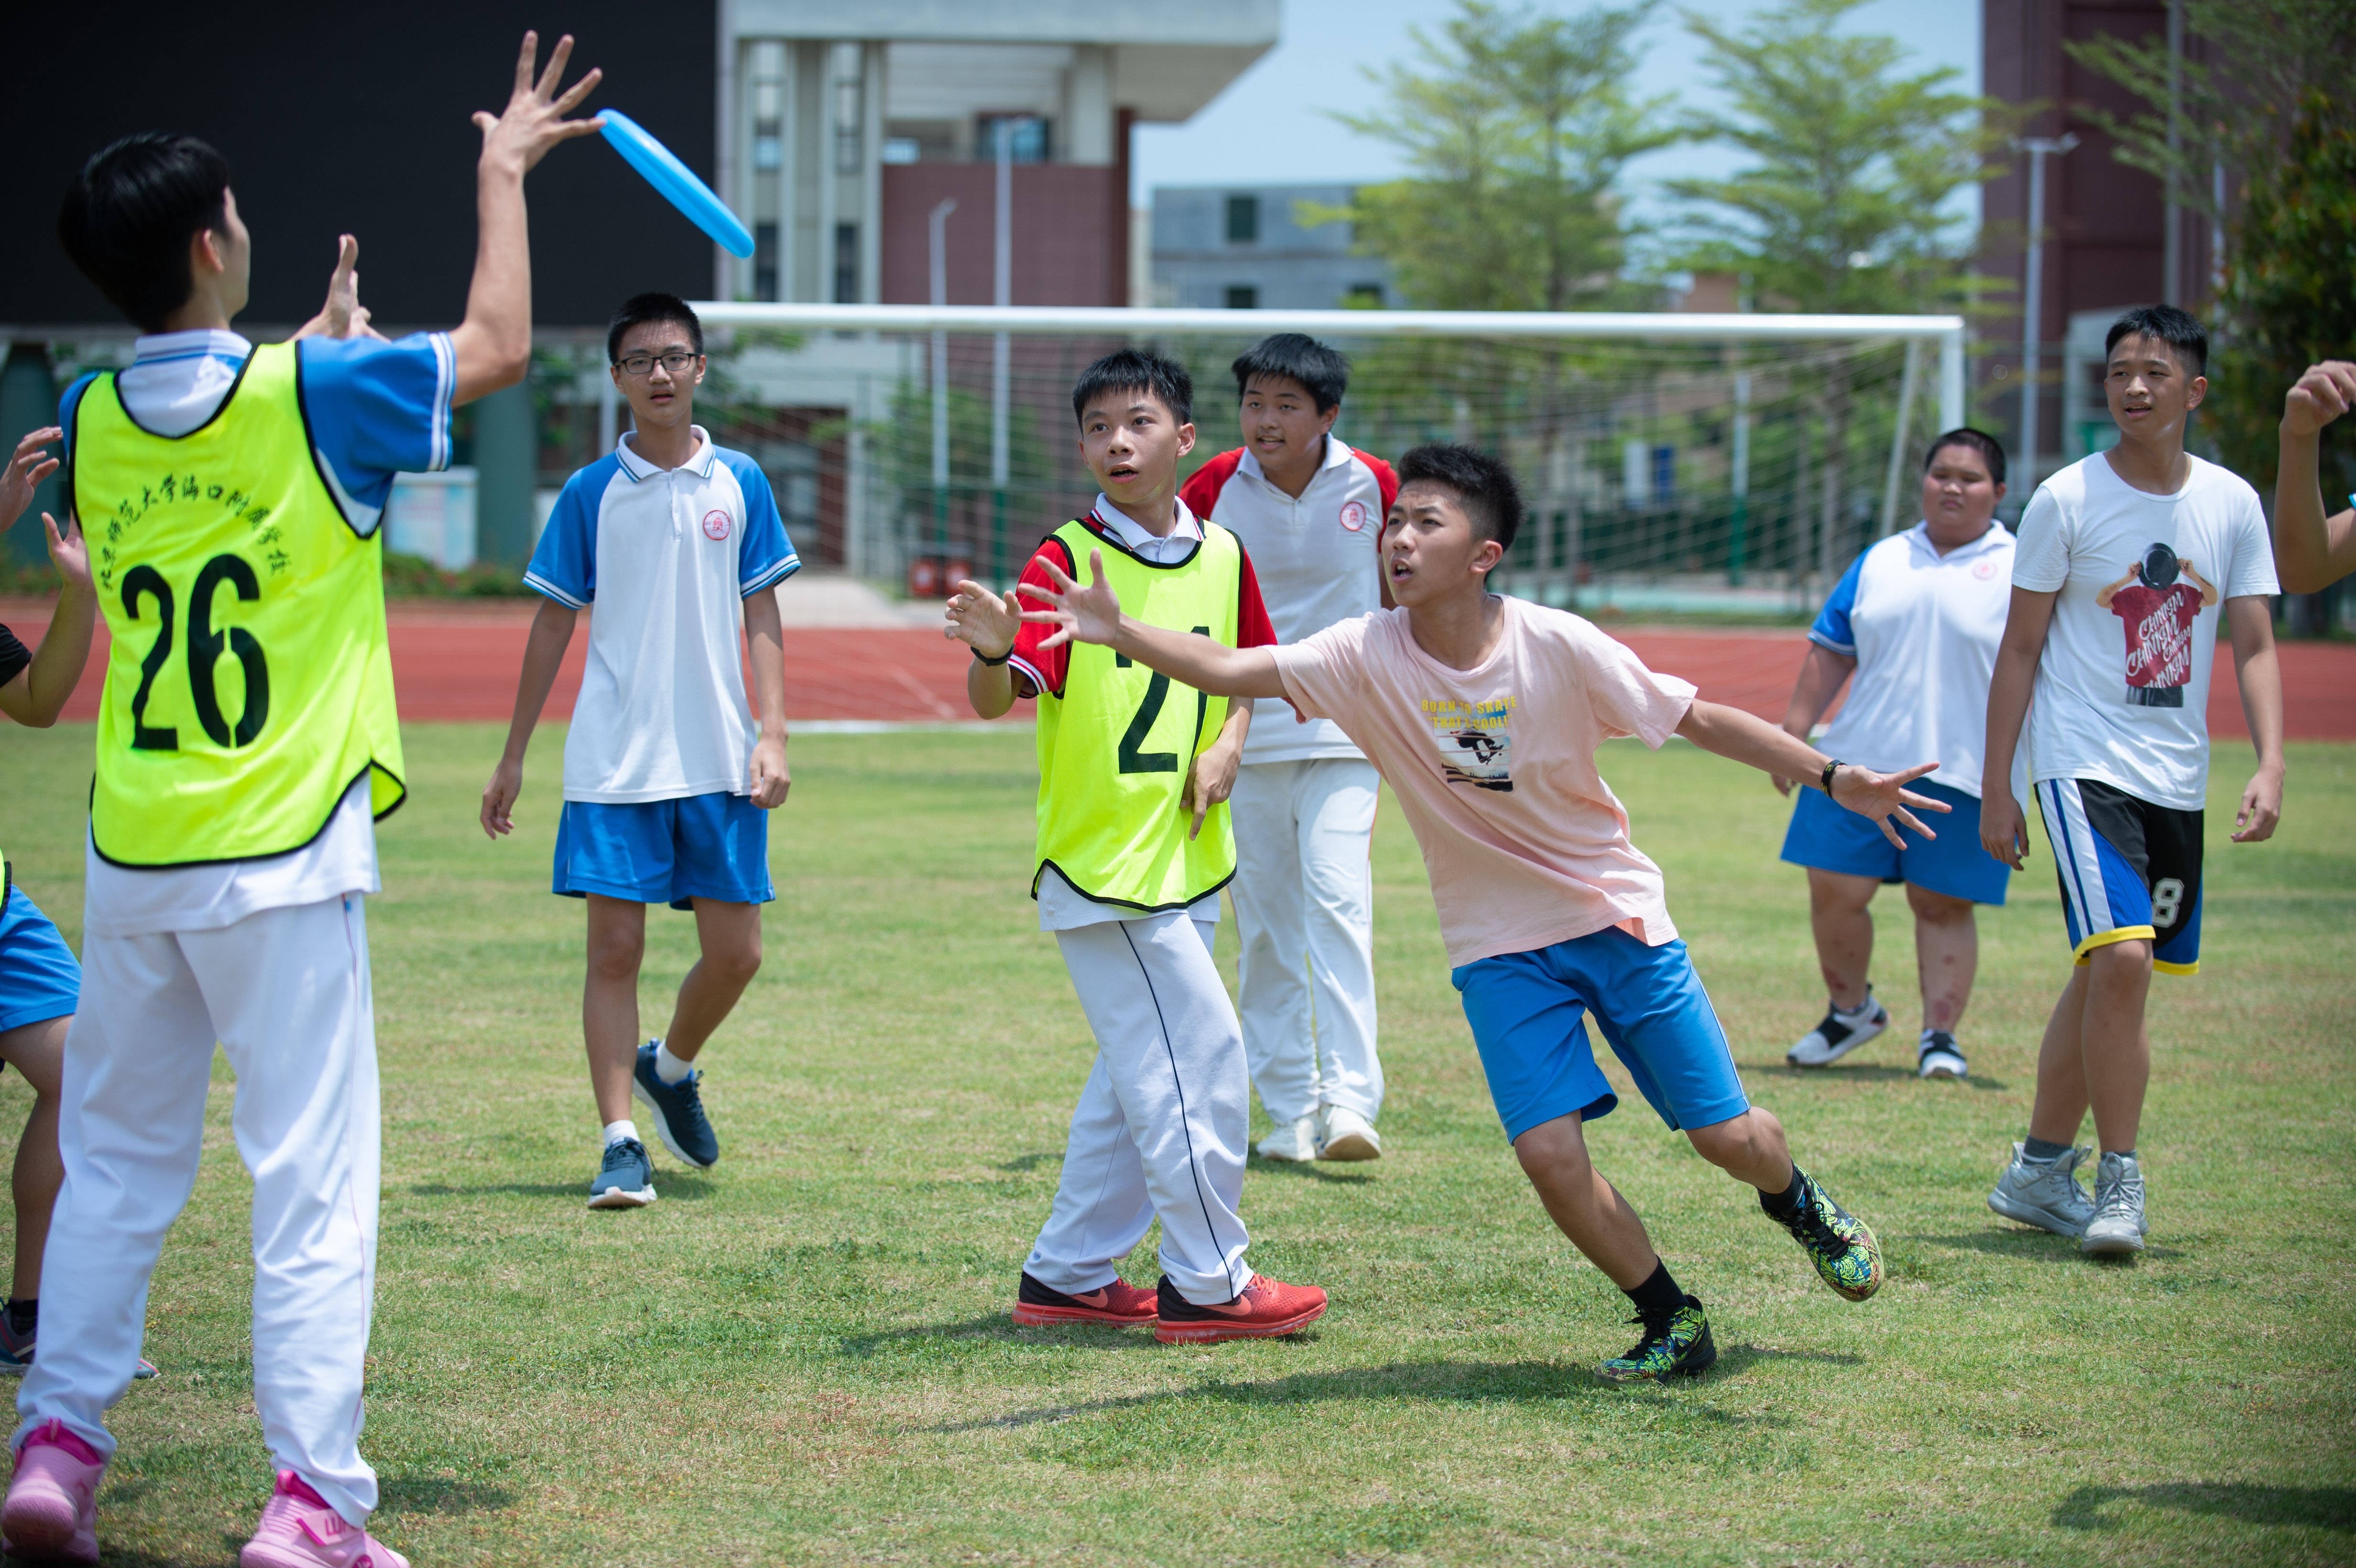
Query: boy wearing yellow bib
1133, 848
231, 495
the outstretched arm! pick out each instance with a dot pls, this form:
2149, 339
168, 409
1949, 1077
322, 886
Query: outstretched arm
1092, 614
2311, 551
2249, 620
1743, 738
38, 693
2004, 832
493, 344
1822, 675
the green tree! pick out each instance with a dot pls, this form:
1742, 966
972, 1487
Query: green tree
1515, 127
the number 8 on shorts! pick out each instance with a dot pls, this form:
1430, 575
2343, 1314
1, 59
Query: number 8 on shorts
2129, 871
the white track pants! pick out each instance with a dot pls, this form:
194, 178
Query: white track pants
1161, 1128
1305, 914
285, 991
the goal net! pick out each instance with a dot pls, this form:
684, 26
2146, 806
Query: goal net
1677, 464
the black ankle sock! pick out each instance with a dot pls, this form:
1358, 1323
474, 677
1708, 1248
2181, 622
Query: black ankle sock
1786, 1204
23, 1316
2037, 1149
1659, 1295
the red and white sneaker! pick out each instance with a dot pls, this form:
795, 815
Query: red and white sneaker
52, 1514
299, 1529
1120, 1304
1265, 1309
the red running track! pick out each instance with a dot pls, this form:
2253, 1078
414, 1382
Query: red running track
458, 660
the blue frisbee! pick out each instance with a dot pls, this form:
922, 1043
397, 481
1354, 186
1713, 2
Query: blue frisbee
677, 182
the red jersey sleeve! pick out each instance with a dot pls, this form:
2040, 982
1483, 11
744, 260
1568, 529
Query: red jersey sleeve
1253, 628
1386, 479
1201, 491
1043, 667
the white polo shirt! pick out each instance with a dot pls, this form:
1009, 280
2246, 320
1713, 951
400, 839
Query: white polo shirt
1923, 629
668, 556
1319, 560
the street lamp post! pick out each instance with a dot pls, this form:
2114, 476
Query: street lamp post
2033, 293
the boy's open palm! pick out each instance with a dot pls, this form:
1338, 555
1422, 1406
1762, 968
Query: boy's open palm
985, 622
534, 119
1090, 615
1885, 797
26, 468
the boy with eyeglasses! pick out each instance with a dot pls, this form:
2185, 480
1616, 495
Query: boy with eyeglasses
667, 783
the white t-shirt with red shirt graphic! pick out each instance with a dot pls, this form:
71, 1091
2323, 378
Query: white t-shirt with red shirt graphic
2123, 685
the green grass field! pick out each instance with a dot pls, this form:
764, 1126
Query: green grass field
803, 1355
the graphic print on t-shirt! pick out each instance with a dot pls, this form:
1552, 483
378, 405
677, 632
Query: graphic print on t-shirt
2160, 600
1475, 740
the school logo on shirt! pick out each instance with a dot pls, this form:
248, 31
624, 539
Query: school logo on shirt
1475, 740
1983, 570
2160, 599
715, 524
1354, 515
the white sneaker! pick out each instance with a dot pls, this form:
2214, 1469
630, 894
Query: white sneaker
1940, 1057
1839, 1034
2117, 1225
2044, 1193
1348, 1136
1293, 1141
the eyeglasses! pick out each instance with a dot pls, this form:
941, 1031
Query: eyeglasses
676, 362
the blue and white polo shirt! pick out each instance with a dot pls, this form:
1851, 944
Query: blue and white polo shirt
1923, 629
668, 557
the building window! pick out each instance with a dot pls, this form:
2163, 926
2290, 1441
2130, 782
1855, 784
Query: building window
764, 261
1025, 135
1363, 296
846, 264
1243, 221
1243, 296
902, 150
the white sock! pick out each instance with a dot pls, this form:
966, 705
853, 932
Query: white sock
669, 1069
617, 1131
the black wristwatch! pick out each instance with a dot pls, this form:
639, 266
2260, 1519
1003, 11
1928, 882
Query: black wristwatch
998, 660
1826, 783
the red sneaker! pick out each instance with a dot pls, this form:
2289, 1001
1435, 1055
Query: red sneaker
52, 1514
1119, 1303
1265, 1309
298, 1530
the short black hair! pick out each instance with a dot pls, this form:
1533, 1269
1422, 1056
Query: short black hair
1136, 369
2173, 326
128, 217
1979, 440
640, 309
1322, 371
1483, 483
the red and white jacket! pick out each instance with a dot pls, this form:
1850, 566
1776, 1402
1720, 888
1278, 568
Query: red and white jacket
1319, 560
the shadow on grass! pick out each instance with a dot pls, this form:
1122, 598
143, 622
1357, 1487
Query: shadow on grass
1470, 1383
1000, 1328
1023, 1164
2042, 1246
680, 1184
1733, 1359
1853, 1072
439, 1494
1302, 1170
2308, 1508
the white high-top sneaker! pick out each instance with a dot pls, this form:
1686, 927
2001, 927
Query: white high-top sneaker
1294, 1140
2117, 1225
2043, 1193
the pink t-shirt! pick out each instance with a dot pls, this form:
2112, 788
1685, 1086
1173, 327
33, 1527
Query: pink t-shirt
1526, 844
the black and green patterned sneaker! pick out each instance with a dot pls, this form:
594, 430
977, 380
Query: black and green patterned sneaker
1838, 1243
1675, 1345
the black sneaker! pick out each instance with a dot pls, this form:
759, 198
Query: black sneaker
1940, 1056
679, 1120
1839, 1034
1675, 1345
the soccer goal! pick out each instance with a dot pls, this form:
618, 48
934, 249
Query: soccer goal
1672, 462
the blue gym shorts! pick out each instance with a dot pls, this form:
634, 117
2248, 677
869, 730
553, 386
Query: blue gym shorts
1525, 1011
1831, 837
2129, 871
38, 977
665, 851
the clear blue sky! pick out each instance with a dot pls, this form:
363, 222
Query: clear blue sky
1266, 129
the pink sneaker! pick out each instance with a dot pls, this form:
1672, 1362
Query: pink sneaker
299, 1529
52, 1514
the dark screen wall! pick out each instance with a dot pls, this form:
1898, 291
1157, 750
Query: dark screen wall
353, 119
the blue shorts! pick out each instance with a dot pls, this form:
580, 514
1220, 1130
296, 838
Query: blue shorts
2129, 870
666, 851
1832, 837
38, 977
1525, 1011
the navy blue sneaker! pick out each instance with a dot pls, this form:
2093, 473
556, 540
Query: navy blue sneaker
679, 1112
627, 1179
